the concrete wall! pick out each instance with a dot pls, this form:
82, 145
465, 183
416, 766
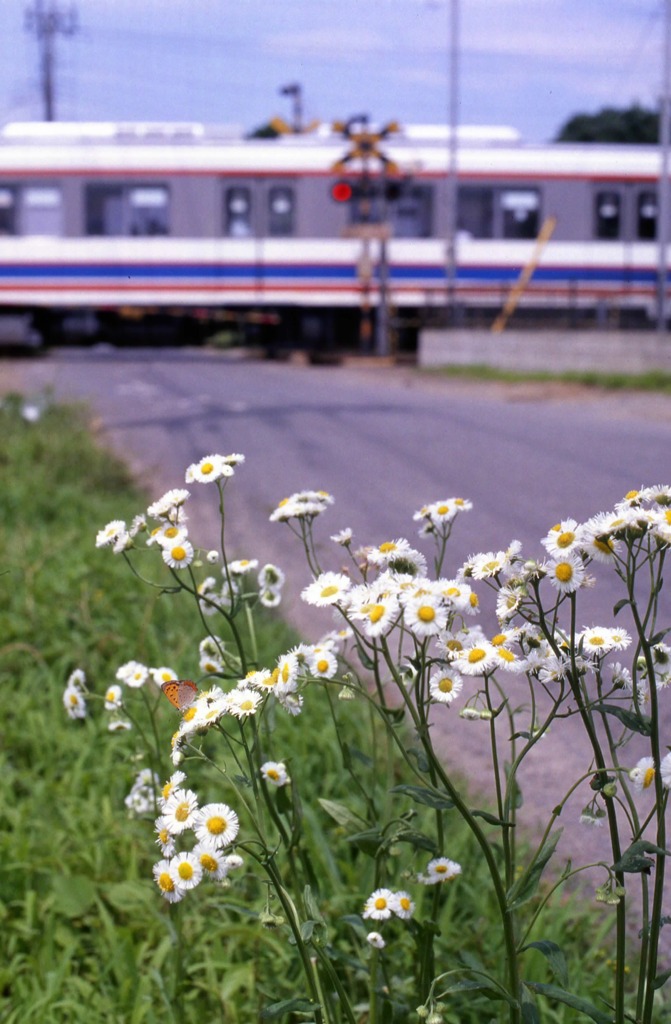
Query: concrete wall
552, 351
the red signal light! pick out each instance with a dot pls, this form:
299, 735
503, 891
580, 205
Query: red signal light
341, 192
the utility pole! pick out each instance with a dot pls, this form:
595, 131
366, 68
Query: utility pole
295, 90
46, 21
664, 204
452, 167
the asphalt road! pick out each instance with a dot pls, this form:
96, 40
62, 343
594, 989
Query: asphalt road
383, 441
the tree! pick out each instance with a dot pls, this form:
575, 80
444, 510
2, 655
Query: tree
634, 124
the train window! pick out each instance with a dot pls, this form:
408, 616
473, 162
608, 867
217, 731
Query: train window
238, 212
119, 210
607, 208
475, 212
148, 210
280, 211
7, 211
410, 214
647, 215
41, 211
520, 208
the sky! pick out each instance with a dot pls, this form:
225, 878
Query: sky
528, 64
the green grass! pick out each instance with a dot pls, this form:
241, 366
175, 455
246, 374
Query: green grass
84, 934
654, 380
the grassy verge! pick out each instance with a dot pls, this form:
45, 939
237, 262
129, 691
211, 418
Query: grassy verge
83, 933
654, 380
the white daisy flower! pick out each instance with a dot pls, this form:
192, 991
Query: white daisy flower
113, 699
218, 822
665, 771
211, 859
402, 905
164, 837
180, 810
74, 702
343, 537
328, 589
207, 470
185, 870
169, 506
275, 773
241, 566
165, 882
178, 556
111, 533
562, 538
378, 906
445, 685
323, 663
476, 659
243, 702
566, 574
642, 774
440, 869
425, 615
133, 674
375, 940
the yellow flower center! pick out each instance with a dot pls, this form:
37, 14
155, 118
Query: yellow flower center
165, 882
505, 655
564, 572
216, 825
405, 903
247, 705
440, 869
630, 495
648, 777
475, 655
605, 546
207, 468
564, 540
329, 591
322, 665
273, 774
376, 612
445, 685
189, 714
178, 553
380, 903
207, 862
442, 510
426, 613
473, 600
498, 639
182, 811
185, 871
387, 547
596, 641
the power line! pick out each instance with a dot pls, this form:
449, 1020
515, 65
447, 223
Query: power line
47, 21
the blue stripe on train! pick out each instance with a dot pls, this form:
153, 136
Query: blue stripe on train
402, 274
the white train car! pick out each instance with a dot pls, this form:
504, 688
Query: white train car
103, 224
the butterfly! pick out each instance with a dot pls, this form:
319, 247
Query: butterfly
180, 692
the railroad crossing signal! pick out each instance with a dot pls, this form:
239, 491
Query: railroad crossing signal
365, 144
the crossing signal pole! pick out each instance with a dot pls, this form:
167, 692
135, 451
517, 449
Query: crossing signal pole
363, 190
46, 20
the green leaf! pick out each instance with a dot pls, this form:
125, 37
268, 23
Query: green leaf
416, 839
288, 1006
422, 795
634, 861
620, 605
342, 814
368, 842
73, 894
636, 723
530, 1014
583, 1005
554, 957
492, 819
527, 884
661, 979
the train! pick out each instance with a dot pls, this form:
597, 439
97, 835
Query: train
197, 231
